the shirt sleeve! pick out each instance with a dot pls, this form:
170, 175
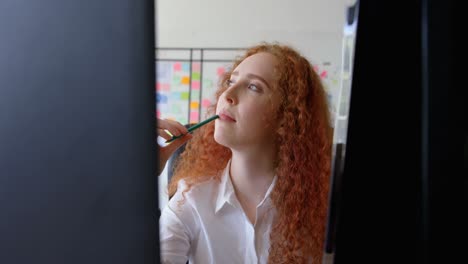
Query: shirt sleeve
174, 234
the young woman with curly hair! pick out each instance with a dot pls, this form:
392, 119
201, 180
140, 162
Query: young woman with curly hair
252, 186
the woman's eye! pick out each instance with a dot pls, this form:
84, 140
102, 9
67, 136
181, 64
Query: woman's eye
229, 83
254, 88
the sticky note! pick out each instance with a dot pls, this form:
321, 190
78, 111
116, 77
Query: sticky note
173, 96
158, 114
206, 103
176, 109
220, 71
196, 76
194, 117
185, 80
195, 94
324, 74
161, 98
196, 66
158, 87
196, 85
184, 95
165, 87
163, 71
177, 66
176, 79
194, 105
186, 67
207, 83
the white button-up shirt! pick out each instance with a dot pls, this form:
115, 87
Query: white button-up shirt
210, 226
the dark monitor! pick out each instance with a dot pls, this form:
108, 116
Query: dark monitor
403, 187
77, 132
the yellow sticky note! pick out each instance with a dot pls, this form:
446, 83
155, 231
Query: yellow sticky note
194, 105
185, 80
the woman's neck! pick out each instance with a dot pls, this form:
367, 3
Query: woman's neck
252, 174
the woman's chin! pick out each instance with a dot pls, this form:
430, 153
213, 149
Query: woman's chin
223, 140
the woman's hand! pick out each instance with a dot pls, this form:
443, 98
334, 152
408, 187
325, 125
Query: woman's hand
176, 129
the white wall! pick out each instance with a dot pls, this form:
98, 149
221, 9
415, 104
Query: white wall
314, 27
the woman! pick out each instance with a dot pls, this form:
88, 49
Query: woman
252, 187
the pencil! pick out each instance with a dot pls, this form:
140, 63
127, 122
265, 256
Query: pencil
192, 128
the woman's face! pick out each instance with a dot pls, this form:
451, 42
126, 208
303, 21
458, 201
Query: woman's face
248, 108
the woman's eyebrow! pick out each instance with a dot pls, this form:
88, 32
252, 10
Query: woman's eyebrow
253, 76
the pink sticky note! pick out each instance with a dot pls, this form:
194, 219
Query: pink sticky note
158, 114
165, 87
177, 66
206, 103
324, 74
196, 67
220, 71
158, 86
193, 116
196, 85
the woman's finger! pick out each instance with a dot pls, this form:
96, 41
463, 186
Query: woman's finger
174, 127
178, 126
162, 133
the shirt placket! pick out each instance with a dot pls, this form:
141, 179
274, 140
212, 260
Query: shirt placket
259, 228
251, 244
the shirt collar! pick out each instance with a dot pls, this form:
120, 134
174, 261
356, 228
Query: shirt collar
226, 192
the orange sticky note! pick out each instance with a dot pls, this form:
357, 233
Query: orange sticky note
185, 80
194, 105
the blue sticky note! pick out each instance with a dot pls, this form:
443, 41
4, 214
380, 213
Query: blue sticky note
174, 96
161, 98
186, 67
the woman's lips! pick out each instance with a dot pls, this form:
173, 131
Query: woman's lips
226, 117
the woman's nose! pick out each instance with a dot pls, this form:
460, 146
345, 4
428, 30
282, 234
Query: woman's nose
230, 95
229, 99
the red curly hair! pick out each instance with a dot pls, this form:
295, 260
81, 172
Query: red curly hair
304, 138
